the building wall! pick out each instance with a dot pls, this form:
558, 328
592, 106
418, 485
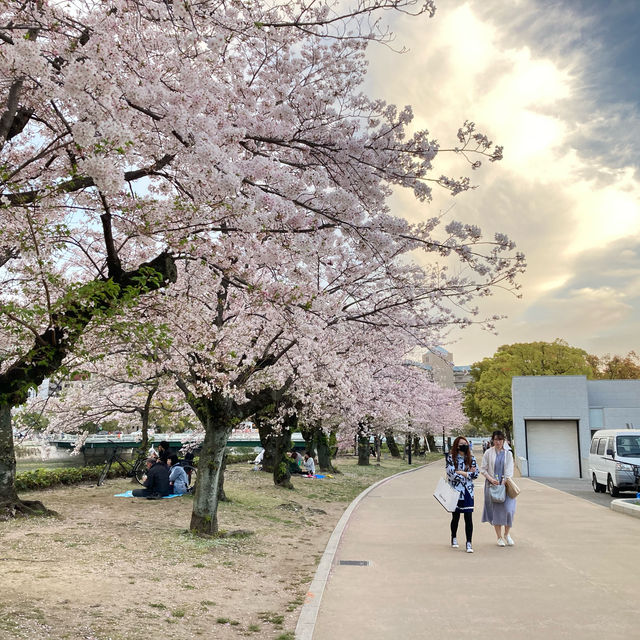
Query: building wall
614, 404
441, 362
461, 376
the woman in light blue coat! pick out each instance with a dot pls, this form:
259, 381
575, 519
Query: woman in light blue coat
178, 479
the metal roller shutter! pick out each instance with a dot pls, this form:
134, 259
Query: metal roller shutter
552, 448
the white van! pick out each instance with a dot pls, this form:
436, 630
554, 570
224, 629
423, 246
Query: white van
614, 460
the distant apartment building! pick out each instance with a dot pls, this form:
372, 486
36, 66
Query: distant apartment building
461, 376
438, 363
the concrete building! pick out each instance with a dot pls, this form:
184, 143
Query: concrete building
461, 376
554, 418
438, 363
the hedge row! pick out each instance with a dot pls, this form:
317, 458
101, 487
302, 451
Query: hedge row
45, 478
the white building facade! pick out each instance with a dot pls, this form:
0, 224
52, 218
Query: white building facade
554, 418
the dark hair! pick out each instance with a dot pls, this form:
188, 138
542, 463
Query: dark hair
165, 445
497, 434
174, 459
454, 451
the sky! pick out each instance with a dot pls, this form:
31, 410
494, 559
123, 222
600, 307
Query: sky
556, 82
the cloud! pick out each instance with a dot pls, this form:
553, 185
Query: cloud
536, 76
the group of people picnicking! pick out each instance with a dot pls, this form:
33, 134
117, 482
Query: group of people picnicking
304, 464
164, 477
496, 467
298, 463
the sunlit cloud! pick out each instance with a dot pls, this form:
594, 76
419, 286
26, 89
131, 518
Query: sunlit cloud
568, 186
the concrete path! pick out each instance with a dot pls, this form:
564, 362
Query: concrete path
574, 572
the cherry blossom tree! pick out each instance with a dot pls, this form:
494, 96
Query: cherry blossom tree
112, 389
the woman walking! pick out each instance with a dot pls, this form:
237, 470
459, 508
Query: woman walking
496, 467
461, 472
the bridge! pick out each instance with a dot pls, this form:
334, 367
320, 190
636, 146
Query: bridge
240, 438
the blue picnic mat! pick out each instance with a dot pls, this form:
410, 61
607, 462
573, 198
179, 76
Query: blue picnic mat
129, 494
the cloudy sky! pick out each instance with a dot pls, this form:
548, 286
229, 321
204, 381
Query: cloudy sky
557, 83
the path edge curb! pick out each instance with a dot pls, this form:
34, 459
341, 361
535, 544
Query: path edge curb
626, 506
309, 612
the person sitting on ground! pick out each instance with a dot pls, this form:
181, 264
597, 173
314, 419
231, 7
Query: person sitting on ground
257, 462
164, 451
156, 482
295, 463
178, 479
309, 465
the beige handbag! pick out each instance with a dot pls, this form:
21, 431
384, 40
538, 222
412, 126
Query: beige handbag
513, 490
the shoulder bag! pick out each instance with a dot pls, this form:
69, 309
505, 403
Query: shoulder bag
497, 492
513, 490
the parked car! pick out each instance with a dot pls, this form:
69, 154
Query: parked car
614, 460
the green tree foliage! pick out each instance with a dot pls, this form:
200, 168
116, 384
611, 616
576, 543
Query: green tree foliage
30, 421
487, 398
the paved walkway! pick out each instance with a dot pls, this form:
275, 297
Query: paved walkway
574, 572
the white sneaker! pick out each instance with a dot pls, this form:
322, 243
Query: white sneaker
454, 543
509, 540
469, 548
501, 542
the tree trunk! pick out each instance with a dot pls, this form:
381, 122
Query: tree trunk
218, 413
10, 505
416, 445
363, 446
143, 450
324, 451
432, 442
204, 517
268, 442
281, 472
222, 496
391, 443
378, 442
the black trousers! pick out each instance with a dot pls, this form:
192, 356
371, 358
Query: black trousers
468, 524
144, 493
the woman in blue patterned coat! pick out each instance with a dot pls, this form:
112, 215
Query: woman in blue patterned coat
461, 472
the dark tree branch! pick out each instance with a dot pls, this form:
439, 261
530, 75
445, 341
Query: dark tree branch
83, 182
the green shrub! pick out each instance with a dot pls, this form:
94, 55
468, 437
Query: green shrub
45, 478
233, 458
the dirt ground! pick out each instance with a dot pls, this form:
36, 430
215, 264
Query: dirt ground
113, 568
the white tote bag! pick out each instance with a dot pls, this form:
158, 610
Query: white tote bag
446, 495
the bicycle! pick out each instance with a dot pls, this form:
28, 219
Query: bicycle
133, 469
192, 474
